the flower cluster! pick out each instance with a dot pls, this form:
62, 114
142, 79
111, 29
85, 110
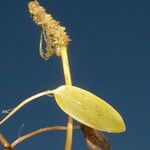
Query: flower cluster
54, 33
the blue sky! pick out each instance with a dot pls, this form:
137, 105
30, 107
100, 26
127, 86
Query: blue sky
109, 56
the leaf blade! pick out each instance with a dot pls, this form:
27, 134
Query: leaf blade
89, 109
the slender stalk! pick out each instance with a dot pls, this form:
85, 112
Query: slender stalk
26, 101
39, 131
68, 81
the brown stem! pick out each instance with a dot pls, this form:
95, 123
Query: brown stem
39, 131
5, 143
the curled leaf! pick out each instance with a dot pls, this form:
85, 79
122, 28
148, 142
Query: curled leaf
89, 109
95, 139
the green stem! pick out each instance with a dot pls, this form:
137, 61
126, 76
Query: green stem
68, 81
26, 101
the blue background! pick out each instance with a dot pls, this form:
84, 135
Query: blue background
109, 55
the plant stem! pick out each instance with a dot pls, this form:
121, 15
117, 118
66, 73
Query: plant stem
68, 81
26, 101
5, 143
39, 131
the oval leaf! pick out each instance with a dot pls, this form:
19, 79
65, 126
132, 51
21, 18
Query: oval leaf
88, 109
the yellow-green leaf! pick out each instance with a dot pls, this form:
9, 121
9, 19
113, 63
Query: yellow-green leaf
89, 109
